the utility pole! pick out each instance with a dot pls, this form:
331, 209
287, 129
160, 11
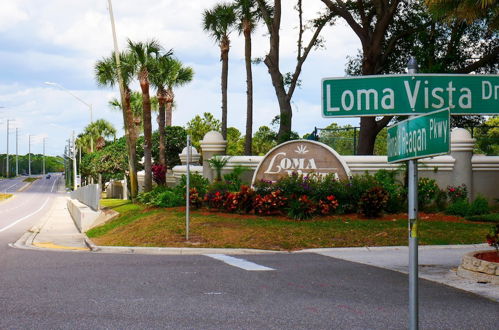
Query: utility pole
29, 155
74, 161
17, 152
43, 156
7, 160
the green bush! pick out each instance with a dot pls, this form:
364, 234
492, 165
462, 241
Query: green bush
148, 197
233, 179
195, 181
459, 207
396, 192
301, 208
479, 206
427, 191
168, 198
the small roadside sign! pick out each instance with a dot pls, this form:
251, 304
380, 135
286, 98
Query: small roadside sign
419, 137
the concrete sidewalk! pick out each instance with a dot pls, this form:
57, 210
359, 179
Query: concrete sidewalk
57, 231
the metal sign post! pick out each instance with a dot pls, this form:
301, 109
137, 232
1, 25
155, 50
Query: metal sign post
187, 188
412, 214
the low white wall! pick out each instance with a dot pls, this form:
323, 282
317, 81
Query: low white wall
83, 216
88, 195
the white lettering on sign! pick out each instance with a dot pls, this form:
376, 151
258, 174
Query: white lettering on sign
438, 129
437, 100
363, 97
280, 163
488, 90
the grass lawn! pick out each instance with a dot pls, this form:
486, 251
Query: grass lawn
30, 179
5, 196
160, 227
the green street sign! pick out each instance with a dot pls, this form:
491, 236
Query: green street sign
419, 137
410, 95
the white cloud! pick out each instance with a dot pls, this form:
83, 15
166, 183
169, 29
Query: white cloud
11, 14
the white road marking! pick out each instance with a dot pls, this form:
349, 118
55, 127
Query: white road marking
31, 214
237, 262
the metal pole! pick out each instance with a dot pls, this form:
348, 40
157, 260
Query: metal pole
187, 188
7, 160
412, 214
43, 156
29, 155
17, 153
73, 153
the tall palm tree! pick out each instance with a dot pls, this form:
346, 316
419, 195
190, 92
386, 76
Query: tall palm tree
106, 74
169, 73
136, 108
247, 14
144, 54
219, 22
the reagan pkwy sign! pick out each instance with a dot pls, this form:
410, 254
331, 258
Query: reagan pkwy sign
410, 95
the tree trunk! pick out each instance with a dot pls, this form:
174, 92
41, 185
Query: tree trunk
169, 106
161, 125
367, 136
146, 120
249, 88
131, 141
224, 52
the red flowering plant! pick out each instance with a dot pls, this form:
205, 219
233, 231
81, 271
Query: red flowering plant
456, 193
194, 199
231, 203
215, 199
245, 199
328, 206
301, 208
269, 204
159, 174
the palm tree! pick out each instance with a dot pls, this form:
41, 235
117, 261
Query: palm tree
136, 108
98, 131
466, 10
144, 54
219, 23
106, 74
169, 73
248, 15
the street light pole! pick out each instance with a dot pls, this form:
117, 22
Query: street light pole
7, 160
73, 95
29, 155
43, 156
17, 152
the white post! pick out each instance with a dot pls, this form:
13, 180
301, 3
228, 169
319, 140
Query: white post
29, 155
43, 156
7, 160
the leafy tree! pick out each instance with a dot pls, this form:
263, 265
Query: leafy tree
264, 139
97, 131
248, 15
106, 73
143, 55
390, 31
176, 140
235, 142
199, 126
219, 22
465, 10
111, 161
285, 85
488, 137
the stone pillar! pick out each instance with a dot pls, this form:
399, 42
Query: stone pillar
212, 144
195, 156
461, 149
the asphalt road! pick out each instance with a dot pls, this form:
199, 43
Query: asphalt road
79, 290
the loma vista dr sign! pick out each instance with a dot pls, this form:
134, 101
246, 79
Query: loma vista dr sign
410, 95
418, 137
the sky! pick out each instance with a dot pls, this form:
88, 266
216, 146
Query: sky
60, 41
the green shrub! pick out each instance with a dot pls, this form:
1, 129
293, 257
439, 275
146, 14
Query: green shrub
296, 185
195, 181
457, 192
373, 202
148, 197
264, 187
441, 200
233, 179
427, 191
396, 192
479, 206
349, 192
491, 217
168, 199
459, 207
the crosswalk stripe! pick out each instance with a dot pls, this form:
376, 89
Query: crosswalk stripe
240, 263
